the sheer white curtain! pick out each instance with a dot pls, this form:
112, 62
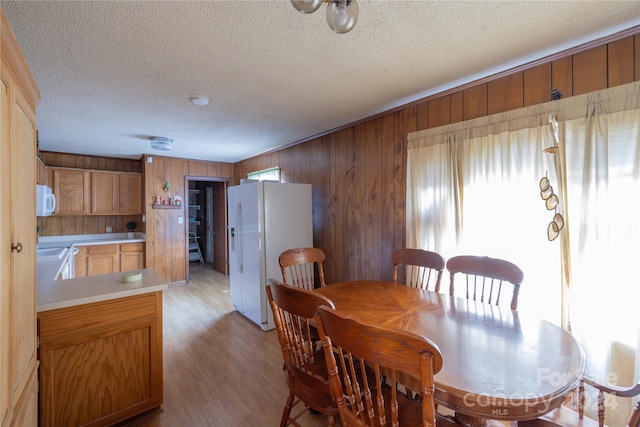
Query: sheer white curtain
603, 199
473, 188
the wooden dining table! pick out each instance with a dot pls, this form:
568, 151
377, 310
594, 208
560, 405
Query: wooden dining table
498, 364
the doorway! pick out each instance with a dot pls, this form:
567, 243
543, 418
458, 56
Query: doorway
206, 224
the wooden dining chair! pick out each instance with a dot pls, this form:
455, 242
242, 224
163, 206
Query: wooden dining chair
298, 267
566, 416
423, 269
304, 365
484, 278
364, 362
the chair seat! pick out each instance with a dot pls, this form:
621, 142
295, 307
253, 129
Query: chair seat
311, 396
561, 417
410, 412
314, 375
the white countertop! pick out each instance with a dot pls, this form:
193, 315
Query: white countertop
47, 269
89, 239
54, 294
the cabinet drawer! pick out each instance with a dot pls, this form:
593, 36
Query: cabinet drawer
103, 249
85, 318
132, 247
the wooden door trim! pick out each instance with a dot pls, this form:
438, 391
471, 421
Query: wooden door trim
188, 178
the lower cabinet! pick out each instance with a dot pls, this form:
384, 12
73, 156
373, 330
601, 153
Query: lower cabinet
131, 256
100, 363
105, 259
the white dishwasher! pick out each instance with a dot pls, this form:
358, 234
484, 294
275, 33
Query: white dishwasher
67, 269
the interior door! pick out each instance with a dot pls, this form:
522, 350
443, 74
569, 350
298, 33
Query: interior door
209, 232
221, 258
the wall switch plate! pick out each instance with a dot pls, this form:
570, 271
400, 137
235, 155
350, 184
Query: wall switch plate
109, 229
149, 159
180, 220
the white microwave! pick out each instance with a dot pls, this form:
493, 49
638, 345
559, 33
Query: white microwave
45, 200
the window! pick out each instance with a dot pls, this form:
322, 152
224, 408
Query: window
270, 174
473, 188
486, 201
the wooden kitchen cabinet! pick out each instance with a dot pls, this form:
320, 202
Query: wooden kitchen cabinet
105, 193
18, 359
131, 256
130, 194
102, 259
88, 192
71, 187
100, 363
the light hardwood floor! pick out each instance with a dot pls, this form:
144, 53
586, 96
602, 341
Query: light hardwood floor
219, 368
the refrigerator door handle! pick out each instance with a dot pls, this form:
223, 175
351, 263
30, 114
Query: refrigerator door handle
239, 254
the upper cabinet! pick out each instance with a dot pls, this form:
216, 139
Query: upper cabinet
105, 193
130, 194
85, 192
71, 187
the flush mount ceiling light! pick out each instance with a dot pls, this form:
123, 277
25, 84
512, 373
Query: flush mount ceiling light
342, 15
161, 143
199, 100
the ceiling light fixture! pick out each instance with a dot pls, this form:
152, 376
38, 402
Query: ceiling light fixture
199, 100
342, 15
161, 143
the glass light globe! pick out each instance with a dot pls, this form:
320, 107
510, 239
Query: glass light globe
342, 15
161, 143
306, 6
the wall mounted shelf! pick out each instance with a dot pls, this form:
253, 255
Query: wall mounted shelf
157, 206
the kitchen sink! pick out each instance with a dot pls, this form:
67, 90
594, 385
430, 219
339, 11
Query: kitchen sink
50, 253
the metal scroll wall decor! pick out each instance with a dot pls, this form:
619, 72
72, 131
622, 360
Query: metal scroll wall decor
546, 190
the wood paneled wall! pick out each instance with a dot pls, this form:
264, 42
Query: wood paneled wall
87, 224
80, 161
358, 173
84, 224
166, 237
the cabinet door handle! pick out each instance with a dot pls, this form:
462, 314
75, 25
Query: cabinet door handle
17, 248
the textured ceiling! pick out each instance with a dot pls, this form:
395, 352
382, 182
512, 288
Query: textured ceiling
114, 73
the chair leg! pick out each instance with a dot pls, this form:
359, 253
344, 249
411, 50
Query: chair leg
331, 421
287, 410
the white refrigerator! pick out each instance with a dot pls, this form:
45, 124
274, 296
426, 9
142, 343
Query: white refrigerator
265, 219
